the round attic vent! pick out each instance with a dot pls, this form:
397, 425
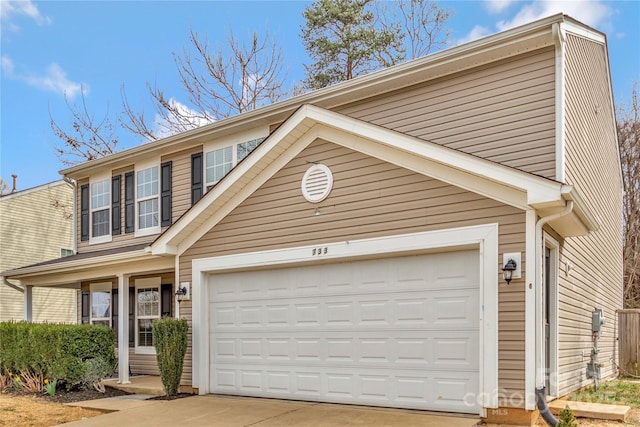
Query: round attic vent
316, 183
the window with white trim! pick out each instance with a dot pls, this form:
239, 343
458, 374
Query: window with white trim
245, 148
100, 303
147, 199
217, 164
64, 252
147, 310
100, 208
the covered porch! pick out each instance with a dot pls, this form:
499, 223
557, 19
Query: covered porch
124, 288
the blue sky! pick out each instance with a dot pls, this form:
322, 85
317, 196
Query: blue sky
50, 48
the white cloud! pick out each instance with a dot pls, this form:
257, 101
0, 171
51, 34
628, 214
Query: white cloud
477, 32
497, 6
7, 65
12, 8
162, 128
595, 13
54, 80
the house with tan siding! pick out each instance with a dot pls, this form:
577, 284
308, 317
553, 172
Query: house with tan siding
348, 245
36, 225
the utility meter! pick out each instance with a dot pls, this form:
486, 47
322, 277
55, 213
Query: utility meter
597, 320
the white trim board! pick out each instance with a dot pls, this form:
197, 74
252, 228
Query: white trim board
483, 237
492, 180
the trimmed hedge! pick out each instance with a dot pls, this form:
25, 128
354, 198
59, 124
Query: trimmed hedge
170, 342
66, 353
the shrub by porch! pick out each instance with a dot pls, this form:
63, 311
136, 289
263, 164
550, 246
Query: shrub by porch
73, 355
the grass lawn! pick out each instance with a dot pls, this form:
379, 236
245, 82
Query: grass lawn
617, 392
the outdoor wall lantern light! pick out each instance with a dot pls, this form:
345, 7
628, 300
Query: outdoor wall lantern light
508, 269
181, 292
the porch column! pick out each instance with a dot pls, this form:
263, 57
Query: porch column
28, 303
123, 329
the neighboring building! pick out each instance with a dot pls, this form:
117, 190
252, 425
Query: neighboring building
356, 254
36, 225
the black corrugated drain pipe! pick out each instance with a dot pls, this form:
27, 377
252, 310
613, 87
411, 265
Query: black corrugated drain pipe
541, 401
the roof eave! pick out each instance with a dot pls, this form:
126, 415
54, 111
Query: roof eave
521, 39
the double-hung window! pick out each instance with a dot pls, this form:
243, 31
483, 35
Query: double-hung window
147, 310
100, 303
100, 210
218, 163
147, 201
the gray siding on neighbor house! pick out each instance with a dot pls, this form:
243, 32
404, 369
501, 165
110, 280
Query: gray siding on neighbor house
592, 166
503, 111
370, 198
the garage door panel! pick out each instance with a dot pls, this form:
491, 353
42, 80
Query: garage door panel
371, 276
383, 349
443, 309
400, 332
408, 389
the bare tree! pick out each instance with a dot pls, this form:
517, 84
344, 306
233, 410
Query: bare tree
4, 187
422, 23
88, 138
238, 77
629, 141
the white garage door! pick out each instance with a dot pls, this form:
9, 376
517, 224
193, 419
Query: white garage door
399, 332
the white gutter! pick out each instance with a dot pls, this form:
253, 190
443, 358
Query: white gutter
11, 285
539, 357
74, 229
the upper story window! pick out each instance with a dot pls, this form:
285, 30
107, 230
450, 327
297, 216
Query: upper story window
147, 201
244, 148
217, 164
138, 200
219, 161
99, 209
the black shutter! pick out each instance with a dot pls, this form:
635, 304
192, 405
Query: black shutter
85, 307
166, 296
114, 312
196, 177
84, 212
165, 194
129, 203
132, 317
116, 218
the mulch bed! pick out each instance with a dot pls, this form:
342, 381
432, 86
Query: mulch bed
66, 396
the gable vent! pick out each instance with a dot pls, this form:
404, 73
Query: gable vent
317, 183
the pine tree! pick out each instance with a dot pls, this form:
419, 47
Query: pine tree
343, 41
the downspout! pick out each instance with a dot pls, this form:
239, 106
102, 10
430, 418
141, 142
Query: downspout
74, 227
540, 383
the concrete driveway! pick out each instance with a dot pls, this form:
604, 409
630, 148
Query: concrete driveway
229, 411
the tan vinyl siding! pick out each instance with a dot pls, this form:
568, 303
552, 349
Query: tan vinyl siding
504, 112
370, 198
592, 165
34, 226
181, 180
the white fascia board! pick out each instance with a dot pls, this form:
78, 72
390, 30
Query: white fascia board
171, 243
583, 31
538, 189
88, 268
502, 183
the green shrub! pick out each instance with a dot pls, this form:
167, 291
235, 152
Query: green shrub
56, 352
170, 342
566, 418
